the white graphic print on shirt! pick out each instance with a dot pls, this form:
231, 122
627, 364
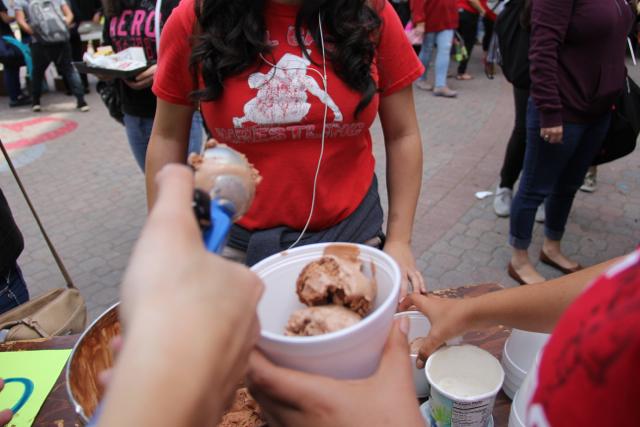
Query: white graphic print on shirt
282, 94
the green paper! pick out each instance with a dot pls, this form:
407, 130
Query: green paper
43, 367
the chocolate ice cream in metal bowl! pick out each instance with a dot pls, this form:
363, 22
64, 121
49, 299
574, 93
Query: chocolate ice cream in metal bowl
91, 355
349, 353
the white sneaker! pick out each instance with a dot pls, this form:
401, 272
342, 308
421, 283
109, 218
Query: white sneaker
540, 215
502, 201
590, 182
423, 85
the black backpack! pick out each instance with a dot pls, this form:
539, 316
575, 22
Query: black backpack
512, 29
625, 125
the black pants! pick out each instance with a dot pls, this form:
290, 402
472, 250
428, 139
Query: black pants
77, 50
60, 54
488, 33
514, 156
403, 11
468, 29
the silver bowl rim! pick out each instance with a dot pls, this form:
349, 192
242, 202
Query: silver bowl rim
76, 406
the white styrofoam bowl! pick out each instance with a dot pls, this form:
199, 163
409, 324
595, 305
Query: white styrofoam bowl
350, 353
518, 356
517, 416
419, 327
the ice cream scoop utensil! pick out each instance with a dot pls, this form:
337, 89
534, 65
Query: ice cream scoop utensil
226, 201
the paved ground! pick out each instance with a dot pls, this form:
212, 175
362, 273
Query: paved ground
90, 194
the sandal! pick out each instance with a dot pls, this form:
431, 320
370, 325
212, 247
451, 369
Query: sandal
464, 76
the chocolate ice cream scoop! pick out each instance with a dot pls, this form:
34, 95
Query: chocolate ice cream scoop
244, 412
225, 174
336, 280
320, 320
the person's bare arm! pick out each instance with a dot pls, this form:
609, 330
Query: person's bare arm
478, 6
6, 18
22, 22
535, 308
169, 142
164, 376
404, 178
67, 14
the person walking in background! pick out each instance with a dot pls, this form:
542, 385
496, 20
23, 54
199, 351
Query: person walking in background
513, 31
13, 289
50, 43
437, 19
577, 59
11, 59
124, 27
470, 12
83, 11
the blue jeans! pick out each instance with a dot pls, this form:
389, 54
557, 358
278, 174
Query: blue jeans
553, 172
139, 132
443, 39
13, 290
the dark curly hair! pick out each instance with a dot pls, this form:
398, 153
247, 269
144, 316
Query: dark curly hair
230, 36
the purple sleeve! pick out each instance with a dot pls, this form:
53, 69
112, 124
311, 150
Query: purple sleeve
549, 23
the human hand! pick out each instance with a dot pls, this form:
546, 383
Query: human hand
552, 135
419, 29
449, 319
401, 253
292, 398
5, 414
172, 284
143, 80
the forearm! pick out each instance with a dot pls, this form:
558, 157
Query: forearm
404, 180
6, 18
22, 22
535, 308
67, 14
161, 152
169, 142
477, 6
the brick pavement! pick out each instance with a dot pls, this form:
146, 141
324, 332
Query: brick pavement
90, 194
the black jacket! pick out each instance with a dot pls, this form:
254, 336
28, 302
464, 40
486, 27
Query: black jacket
11, 242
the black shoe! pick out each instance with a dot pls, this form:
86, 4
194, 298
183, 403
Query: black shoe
20, 102
82, 106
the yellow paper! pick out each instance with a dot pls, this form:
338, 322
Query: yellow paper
42, 367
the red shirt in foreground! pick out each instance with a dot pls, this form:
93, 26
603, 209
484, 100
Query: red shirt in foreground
274, 115
589, 373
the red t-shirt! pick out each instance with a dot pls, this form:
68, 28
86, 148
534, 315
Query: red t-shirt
274, 116
589, 374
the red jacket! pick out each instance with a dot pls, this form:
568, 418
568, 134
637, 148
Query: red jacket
437, 15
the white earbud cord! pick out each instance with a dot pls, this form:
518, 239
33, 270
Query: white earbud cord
324, 128
323, 76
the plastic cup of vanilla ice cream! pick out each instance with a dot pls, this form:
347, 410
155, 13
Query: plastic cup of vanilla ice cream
464, 380
350, 353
